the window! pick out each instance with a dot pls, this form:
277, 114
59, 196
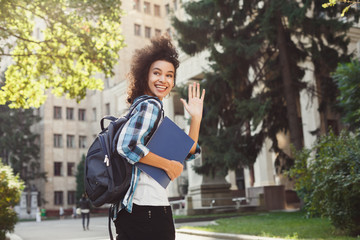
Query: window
107, 109
136, 5
240, 180
71, 169
94, 114
70, 113
70, 141
82, 141
58, 198
71, 197
157, 10
175, 4
167, 9
57, 140
137, 30
57, 168
82, 114
147, 32
178, 106
147, 8
157, 32
57, 112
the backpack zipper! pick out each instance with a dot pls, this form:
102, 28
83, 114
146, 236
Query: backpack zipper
106, 159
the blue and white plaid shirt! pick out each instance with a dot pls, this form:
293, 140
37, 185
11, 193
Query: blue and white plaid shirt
131, 144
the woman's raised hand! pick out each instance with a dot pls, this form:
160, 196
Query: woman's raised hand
195, 103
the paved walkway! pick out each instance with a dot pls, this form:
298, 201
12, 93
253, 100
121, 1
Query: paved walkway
71, 229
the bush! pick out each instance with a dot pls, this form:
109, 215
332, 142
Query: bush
329, 182
10, 191
347, 78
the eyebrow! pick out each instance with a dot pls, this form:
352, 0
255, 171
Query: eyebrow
155, 68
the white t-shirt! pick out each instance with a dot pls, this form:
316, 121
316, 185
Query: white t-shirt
149, 192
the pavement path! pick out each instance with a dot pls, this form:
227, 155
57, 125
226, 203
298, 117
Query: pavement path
71, 229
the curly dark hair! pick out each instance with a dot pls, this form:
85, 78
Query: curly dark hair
160, 48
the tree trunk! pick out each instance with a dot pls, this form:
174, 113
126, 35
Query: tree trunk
252, 175
289, 90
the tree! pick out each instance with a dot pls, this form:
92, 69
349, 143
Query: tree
256, 49
80, 188
75, 40
10, 190
19, 146
347, 77
350, 3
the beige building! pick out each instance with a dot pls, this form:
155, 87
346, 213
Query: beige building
67, 129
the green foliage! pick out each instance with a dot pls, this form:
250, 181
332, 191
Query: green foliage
256, 52
10, 191
347, 77
19, 146
80, 187
332, 3
329, 182
73, 42
302, 176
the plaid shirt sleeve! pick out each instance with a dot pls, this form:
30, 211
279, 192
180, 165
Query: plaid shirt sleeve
195, 155
131, 144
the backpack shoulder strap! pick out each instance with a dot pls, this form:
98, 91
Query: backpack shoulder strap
134, 105
108, 117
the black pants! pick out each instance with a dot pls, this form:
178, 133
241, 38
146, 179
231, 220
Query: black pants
87, 215
145, 222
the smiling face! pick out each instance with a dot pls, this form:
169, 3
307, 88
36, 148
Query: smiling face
161, 78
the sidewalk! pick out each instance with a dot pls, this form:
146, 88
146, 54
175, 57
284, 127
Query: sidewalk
71, 229
195, 233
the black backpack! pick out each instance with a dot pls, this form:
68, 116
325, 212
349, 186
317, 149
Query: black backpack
107, 174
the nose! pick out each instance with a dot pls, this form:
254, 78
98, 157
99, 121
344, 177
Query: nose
162, 78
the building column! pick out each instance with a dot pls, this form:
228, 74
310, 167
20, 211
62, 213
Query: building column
309, 108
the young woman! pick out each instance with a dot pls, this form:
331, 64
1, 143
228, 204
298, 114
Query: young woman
145, 212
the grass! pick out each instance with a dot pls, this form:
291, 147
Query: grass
288, 225
218, 215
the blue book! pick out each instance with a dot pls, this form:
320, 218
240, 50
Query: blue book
170, 142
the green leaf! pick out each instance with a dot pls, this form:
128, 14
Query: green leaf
77, 42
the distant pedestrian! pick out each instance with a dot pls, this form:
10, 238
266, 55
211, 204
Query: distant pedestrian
38, 216
74, 212
61, 212
85, 211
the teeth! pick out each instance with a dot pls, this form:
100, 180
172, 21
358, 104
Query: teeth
161, 87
